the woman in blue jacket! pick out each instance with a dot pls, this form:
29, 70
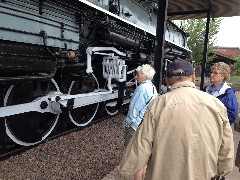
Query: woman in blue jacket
143, 95
220, 72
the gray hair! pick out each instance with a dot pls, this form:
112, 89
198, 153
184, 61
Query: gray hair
147, 70
223, 69
179, 78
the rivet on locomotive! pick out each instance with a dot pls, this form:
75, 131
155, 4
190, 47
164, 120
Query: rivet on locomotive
75, 57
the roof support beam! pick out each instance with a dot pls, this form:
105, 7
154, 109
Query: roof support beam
188, 12
209, 6
160, 38
204, 60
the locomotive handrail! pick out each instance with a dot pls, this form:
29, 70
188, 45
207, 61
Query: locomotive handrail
45, 36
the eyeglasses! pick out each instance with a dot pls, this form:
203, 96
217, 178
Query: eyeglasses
215, 73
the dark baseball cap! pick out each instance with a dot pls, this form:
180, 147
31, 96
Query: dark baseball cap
179, 67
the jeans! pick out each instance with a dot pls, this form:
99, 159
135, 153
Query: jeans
128, 134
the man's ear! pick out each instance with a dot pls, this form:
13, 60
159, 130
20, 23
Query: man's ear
169, 81
193, 78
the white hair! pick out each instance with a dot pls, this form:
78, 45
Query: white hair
147, 70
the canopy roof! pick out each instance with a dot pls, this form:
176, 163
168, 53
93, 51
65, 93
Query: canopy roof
188, 9
194, 9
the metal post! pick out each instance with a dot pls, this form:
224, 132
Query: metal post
205, 51
160, 39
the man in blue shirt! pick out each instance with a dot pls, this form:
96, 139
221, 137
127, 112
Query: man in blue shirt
143, 94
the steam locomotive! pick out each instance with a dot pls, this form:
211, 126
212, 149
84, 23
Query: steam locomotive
73, 57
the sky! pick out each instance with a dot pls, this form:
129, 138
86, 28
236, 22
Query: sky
229, 34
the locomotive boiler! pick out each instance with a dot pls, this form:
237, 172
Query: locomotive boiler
75, 58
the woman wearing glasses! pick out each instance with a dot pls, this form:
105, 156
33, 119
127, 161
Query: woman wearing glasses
220, 73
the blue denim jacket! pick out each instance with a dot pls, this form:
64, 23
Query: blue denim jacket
228, 98
143, 94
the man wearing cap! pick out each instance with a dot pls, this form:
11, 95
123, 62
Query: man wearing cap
184, 135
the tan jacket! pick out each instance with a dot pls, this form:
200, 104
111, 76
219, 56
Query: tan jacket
185, 135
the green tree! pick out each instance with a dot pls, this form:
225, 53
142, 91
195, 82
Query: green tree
237, 65
196, 30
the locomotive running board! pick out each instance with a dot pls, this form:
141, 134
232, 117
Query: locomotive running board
56, 102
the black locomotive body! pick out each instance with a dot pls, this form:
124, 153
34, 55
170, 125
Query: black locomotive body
74, 57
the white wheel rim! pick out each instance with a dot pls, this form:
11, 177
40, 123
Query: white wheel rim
70, 115
11, 135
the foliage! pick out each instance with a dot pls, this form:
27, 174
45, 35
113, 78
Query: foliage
234, 79
234, 82
196, 30
237, 65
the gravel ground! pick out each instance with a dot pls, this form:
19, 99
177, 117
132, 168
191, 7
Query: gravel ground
88, 154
